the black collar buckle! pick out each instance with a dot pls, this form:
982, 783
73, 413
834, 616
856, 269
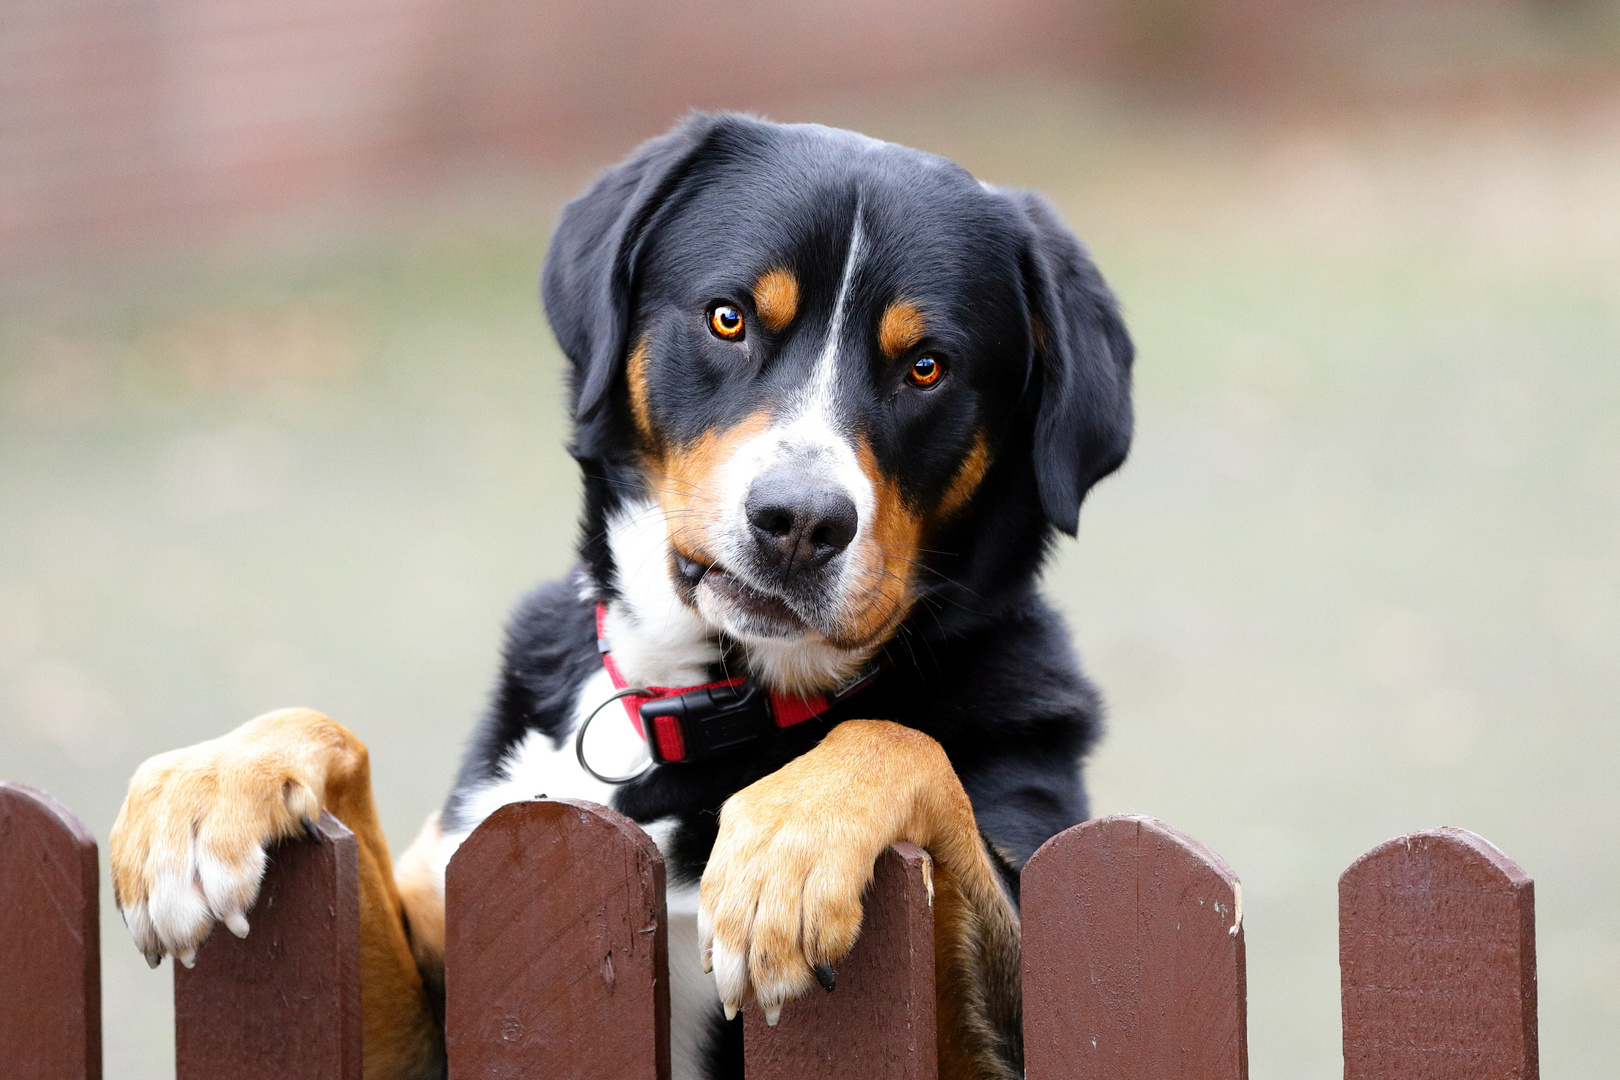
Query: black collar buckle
707, 721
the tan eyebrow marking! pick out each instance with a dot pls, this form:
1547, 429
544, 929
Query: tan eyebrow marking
901, 327
776, 297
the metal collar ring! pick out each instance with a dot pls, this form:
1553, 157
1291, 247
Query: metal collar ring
579, 737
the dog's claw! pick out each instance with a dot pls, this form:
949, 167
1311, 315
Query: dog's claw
237, 924
826, 977
153, 959
731, 1011
309, 829
188, 958
772, 1016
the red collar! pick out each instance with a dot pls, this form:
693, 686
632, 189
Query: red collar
689, 723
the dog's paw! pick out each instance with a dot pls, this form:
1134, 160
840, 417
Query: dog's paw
188, 848
781, 897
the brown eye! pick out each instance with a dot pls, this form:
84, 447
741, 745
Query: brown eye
925, 371
726, 322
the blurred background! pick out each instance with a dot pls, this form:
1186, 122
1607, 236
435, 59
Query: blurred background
281, 423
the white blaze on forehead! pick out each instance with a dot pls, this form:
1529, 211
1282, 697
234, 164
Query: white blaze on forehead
818, 395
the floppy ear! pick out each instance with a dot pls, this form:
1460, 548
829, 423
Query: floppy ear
1082, 366
590, 267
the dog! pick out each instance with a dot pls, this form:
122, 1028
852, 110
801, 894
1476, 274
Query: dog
832, 400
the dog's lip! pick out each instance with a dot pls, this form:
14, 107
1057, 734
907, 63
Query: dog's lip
689, 568
733, 589
755, 602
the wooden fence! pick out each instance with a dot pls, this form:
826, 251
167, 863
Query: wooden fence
557, 960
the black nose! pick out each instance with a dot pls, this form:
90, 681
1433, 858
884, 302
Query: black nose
798, 524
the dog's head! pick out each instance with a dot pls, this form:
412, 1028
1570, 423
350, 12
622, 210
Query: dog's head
844, 377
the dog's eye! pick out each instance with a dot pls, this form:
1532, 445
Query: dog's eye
925, 371
726, 322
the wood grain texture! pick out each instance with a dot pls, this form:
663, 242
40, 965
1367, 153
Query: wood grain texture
1437, 956
1133, 957
556, 950
880, 1022
285, 1000
50, 952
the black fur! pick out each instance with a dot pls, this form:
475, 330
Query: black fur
1083, 428
1039, 360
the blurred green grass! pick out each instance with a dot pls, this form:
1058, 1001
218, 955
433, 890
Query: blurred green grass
1360, 575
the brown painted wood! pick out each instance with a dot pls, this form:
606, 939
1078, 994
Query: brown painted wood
50, 951
285, 1000
1437, 956
556, 950
880, 1023
1133, 957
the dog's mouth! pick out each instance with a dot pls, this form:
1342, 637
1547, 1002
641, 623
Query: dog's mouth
740, 605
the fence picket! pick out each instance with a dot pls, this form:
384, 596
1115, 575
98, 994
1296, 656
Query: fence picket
50, 953
1437, 958
556, 952
879, 1024
1133, 957
556, 960
285, 1000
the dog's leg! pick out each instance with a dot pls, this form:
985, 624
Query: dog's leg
188, 850
419, 873
782, 891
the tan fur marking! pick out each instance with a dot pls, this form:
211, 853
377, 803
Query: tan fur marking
901, 327
683, 481
636, 376
421, 892
967, 479
825, 817
252, 787
776, 298
886, 579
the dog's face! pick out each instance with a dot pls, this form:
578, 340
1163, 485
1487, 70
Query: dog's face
812, 351
814, 384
